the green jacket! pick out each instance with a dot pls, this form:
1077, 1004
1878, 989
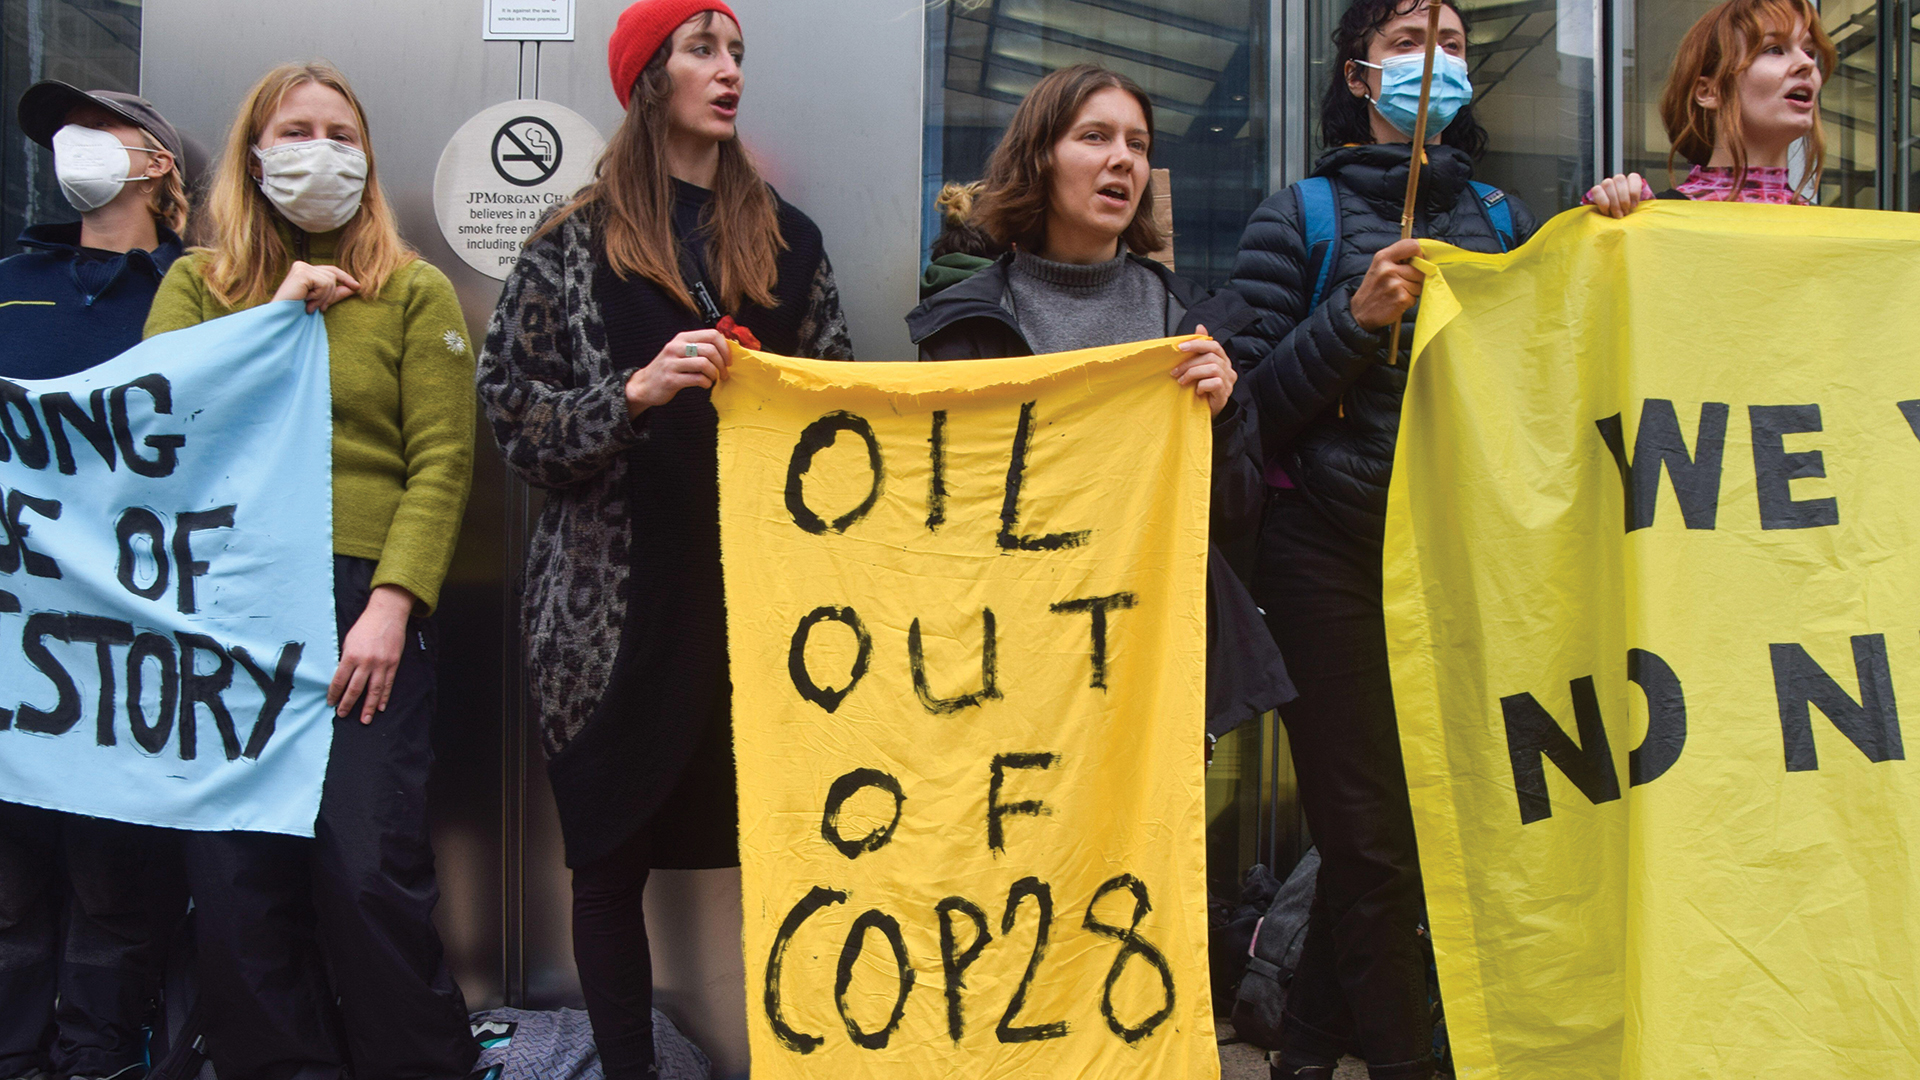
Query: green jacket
403, 413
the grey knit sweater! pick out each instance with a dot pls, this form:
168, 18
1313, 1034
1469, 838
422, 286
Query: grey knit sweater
1065, 306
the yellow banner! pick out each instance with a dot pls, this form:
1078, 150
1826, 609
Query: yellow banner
1653, 561
966, 613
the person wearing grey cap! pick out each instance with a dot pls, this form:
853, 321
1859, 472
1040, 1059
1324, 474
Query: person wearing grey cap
79, 904
80, 292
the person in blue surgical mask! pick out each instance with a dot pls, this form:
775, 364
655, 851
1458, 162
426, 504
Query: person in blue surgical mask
83, 901
1324, 264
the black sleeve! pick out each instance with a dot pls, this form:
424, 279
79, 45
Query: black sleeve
1524, 223
1294, 363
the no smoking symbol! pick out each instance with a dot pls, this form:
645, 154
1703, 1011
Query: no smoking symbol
526, 151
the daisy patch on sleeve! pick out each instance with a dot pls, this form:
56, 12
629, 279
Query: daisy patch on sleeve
456, 342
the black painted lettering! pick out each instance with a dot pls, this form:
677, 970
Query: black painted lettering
954, 961
186, 566
21, 426
827, 697
66, 709
817, 898
817, 437
275, 689
843, 789
937, 486
1097, 606
198, 688
166, 448
14, 553
1911, 410
92, 424
1658, 445
1666, 718
1872, 724
1010, 538
1131, 945
1774, 470
1007, 1031
9, 604
989, 671
998, 811
152, 736
889, 928
140, 521
1532, 732
103, 634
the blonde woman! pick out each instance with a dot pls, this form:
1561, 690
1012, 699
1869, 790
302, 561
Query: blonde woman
319, 958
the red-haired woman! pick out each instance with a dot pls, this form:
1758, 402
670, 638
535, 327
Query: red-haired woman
319, 958
1745, 88
596, 377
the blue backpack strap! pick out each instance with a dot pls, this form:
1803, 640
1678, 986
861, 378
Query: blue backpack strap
1320, 207
1494, 204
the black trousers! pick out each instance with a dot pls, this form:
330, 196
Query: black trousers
318, 959
1361, 986
696, 828
82, 904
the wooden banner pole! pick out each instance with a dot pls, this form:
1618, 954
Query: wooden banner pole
1419, 156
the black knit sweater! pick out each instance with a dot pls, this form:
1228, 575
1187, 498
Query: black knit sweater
669, 681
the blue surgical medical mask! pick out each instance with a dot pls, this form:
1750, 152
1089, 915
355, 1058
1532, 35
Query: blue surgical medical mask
1399, 100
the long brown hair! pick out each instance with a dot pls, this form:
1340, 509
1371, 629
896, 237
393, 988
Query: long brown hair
631, 200
1019, 181
1720, 48
248, 259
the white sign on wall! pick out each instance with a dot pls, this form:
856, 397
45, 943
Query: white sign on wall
529, 20
502, 170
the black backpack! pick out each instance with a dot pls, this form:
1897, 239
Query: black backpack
1276, 953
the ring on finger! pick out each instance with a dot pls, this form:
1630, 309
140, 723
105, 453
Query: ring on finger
690, 350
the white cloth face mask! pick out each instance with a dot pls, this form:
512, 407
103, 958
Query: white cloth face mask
316, 184
92, 165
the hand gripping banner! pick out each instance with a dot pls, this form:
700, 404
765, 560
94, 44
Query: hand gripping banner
966, 613
166, 580
1653, 580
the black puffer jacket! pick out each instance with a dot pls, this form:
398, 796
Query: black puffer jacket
1297, 365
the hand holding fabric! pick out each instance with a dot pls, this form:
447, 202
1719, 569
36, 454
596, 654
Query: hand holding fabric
1618, 196
1207, 370
1391, 286
320, 286
673, 370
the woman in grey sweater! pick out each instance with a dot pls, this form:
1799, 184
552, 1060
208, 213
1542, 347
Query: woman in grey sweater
1067, 191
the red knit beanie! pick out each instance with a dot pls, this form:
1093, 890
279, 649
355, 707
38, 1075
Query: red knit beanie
642, 29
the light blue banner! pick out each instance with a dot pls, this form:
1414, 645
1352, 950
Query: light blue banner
166, 579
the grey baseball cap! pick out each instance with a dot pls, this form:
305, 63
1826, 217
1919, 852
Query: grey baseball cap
45, 106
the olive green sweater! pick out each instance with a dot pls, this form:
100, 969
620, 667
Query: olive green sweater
403, 411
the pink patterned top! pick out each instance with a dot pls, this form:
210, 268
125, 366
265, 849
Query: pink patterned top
1713, 184
1761, 186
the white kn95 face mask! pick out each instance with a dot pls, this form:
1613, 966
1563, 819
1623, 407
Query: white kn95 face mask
91, 165
316, 184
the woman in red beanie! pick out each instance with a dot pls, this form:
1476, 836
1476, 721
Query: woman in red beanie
608, 337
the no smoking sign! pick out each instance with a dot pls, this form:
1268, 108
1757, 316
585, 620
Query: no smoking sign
502, 171
527, 151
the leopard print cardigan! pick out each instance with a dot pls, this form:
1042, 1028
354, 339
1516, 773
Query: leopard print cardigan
559, 411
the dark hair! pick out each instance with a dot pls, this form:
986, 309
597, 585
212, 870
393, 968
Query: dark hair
1346, 119
1019, 181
